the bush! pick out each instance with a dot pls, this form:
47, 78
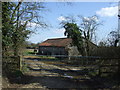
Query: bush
18, 73
24, 67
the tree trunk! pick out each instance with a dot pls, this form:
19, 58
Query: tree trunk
116, 41
16, 49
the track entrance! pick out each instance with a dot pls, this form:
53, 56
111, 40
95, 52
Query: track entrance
68, 71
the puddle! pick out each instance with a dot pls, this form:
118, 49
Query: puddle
65, 75
79, 77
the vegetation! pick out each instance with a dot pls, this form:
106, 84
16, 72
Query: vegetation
111, 40
6, 27
30, 45
83, 34
28, 52
25, 67
89, 26
73, 31
16, 18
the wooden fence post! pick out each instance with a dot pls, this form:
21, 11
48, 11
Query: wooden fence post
99, 70
20, 62
118, 69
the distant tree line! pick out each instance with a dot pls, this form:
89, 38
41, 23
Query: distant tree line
112, 40
30, 45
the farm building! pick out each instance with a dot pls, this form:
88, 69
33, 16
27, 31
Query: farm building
59, 46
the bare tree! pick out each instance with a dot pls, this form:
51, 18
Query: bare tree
89, 26
112, 38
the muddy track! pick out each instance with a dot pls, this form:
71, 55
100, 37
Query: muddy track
56, 76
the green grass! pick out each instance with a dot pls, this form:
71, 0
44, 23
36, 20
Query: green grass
47, 57
28, 52
24, 68
18, 73
93, 73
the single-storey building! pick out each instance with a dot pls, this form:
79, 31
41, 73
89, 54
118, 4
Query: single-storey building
59, 46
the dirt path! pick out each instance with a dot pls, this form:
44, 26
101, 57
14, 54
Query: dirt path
54, 76
48, 74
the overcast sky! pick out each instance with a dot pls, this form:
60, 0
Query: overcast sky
107, 13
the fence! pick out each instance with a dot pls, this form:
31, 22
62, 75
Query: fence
87, 63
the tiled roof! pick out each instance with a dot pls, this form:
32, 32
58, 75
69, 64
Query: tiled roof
59, 42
